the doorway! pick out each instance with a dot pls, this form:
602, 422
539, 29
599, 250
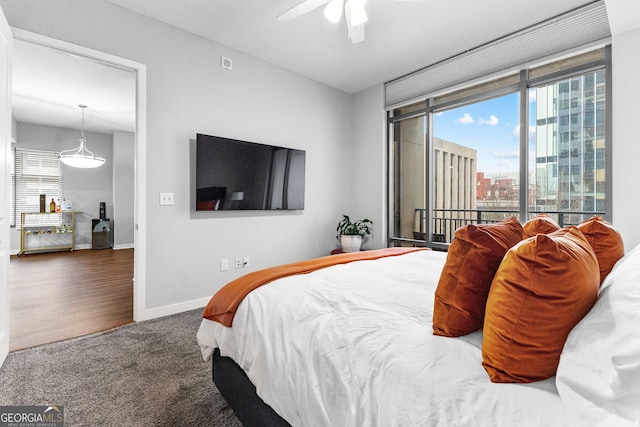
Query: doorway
131, 214
61, 295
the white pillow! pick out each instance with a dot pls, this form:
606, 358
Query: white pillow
599, 372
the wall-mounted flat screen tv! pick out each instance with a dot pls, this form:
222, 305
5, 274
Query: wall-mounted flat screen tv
242, 175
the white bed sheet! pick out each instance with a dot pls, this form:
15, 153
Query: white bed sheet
352, 345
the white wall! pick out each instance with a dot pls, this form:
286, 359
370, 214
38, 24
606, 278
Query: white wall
14, 129
85, 188
188, 92
369, 190
123, 189
626, 138
624, 20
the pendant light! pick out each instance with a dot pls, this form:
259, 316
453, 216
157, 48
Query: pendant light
81, 157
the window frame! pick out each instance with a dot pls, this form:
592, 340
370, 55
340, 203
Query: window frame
546, 73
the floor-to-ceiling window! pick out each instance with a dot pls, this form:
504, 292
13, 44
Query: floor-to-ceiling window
409, 184
530, 142
475, 164
568, 165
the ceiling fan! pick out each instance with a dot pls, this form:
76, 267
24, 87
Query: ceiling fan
354, 12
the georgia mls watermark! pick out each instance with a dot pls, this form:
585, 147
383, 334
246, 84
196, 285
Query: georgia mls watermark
31, 416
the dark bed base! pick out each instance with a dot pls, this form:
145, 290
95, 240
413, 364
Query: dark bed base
240, 394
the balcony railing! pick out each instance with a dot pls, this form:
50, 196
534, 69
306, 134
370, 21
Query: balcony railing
447, 221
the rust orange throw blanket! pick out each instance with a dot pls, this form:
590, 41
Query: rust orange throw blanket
222, 307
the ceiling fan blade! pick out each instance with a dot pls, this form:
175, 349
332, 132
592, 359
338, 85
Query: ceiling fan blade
300, 9
355, 32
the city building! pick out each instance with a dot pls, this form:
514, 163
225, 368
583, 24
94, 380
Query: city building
504, 190
569, 145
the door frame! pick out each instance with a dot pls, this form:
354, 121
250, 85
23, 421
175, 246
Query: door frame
6, 42
140, 156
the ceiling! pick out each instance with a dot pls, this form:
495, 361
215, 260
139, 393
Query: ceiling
401, 36
48, 85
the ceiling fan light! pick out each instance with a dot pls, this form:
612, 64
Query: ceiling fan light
333, 10
357, 4
356, 34
358, 16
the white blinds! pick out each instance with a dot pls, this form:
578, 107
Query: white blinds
36, 172
581, 27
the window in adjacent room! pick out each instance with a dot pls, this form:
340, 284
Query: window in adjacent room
530, 142
34, 172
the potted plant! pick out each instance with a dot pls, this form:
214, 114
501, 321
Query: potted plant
351, 233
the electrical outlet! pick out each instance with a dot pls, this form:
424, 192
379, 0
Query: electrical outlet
166, 199
224, 264
245, 262
238, 262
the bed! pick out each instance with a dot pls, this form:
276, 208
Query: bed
352, 343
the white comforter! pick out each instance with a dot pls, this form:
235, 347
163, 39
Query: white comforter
352, 345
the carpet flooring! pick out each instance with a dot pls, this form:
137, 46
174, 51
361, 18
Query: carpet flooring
148, 373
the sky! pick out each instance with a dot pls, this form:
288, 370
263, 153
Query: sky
492, 128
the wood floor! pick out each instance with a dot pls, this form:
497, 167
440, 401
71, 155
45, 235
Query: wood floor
62, 295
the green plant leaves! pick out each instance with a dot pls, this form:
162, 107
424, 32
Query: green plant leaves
361, 227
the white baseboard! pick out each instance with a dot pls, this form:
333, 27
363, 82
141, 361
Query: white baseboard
125, 246
167, 310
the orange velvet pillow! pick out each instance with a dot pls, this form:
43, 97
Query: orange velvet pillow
472, 260
606, 243
543, 287
539, 224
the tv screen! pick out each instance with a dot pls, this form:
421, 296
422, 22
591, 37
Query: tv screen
243, 175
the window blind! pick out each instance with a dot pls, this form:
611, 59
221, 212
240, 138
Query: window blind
36, 172
580, 28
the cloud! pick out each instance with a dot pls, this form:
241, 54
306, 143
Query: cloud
532, 132
505, 164
507, 155
466, 119
493, 120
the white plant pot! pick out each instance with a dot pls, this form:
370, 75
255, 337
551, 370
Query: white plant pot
350, 243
